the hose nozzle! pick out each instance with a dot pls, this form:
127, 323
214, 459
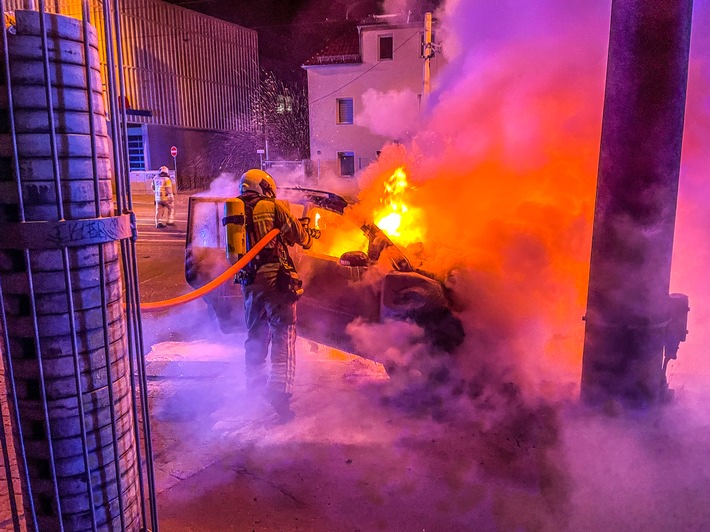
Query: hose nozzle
312, 232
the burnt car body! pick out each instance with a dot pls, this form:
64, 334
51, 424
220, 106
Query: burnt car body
342, 279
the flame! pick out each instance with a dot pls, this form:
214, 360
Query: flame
339, 234
401, 222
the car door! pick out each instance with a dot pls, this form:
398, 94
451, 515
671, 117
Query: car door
335, 294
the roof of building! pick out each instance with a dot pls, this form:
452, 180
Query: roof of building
342, 48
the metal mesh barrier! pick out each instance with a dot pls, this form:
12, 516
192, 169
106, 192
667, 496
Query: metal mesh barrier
75, 433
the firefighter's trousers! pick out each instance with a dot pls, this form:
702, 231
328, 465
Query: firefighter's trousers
165, 212
270, 317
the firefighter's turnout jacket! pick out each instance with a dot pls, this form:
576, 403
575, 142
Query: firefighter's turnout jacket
265, 214
166, 191
270, 313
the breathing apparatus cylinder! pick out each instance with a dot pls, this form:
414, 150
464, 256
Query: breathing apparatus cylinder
236, 230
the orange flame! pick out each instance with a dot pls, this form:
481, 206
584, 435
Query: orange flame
339, 234
400, 221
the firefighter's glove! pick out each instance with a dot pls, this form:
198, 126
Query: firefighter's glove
312, 232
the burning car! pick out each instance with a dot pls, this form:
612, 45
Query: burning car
353, 272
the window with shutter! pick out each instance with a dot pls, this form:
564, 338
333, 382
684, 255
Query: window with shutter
385, 49
345, 111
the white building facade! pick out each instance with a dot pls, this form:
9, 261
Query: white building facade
378, 57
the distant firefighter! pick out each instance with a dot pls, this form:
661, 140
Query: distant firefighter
164, 199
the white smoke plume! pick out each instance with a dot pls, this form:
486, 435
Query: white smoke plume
392, 114
225, 185
400, 6
504, 171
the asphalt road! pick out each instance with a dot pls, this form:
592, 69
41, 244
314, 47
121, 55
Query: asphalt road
160, 255
160, 252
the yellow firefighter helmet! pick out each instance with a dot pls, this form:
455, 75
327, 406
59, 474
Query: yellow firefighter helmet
258, 181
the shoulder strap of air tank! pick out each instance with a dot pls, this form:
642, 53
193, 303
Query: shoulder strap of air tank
249, 221
280, 248
264, 256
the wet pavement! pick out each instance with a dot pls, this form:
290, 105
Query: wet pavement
366, 452
356, 458
359, 456
224, 461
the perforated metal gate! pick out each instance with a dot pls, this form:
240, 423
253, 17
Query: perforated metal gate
75, 434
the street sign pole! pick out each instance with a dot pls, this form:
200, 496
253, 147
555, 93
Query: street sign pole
173, 152
175, 169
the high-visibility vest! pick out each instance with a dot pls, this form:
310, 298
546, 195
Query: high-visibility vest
157, 187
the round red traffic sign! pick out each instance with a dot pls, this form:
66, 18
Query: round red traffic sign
173, 151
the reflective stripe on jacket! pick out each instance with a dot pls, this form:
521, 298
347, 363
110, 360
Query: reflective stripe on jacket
269, 214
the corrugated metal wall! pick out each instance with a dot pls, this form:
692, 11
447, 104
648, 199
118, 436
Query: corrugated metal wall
189, 70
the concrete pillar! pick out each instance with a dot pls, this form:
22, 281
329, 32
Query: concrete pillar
628, 301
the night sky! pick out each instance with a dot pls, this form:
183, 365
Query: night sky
290, 31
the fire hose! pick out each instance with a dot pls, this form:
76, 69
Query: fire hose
214, 283
229, 273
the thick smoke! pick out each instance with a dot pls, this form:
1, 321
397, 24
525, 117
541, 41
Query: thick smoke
503, 169
392, 114
504, 172
225, 185
402, 6
690, 273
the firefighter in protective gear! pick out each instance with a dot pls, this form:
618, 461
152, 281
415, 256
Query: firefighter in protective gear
164, 199
271, 288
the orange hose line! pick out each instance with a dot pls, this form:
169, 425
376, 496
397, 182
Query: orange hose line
214, 283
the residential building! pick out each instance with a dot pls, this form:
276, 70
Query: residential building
384, 54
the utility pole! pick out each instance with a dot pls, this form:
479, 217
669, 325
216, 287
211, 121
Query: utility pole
428, 54
631, 317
